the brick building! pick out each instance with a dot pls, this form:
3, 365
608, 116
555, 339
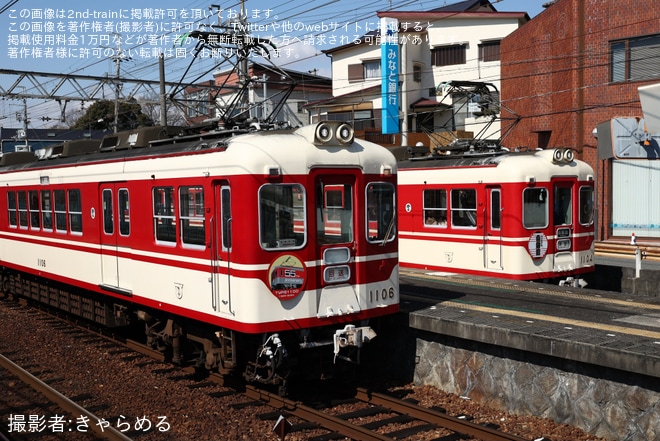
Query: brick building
573, 67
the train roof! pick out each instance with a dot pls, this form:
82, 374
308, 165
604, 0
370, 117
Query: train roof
283, 147
501, 166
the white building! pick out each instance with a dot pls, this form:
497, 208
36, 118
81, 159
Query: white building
446, 55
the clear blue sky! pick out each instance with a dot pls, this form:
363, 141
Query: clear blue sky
79, 36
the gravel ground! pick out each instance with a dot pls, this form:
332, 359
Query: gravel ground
122, 388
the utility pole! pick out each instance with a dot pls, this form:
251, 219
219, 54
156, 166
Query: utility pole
163, 100
118, 57
243, 60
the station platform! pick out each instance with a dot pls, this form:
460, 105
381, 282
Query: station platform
601, 328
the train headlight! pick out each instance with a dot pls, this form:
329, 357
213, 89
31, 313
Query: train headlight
323, 133
333, 256
344, 133
568, 155
557, 155
563, 244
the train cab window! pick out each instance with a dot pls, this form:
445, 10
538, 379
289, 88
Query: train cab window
562, 209
60, 210
164, 219
35, 218
282, 216
191, 213
334, 213
46, 210
124, 212
11, 209
75, 211
464, 208
22, 209
380, 208
586, 205
435, 208
535, 207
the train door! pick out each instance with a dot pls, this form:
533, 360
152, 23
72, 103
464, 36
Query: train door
493, 229
562, 214
335, 228
115, 235
221, 246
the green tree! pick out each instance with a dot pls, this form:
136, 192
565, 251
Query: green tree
101, 116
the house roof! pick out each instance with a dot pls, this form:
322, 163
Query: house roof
467, 8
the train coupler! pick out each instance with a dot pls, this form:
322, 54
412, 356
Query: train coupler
352, 336
574, 282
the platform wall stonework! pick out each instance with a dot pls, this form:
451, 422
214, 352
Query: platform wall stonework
604, 402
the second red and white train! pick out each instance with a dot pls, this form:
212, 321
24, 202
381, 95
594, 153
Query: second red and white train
518, 215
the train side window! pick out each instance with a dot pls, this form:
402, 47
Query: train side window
191, 214
281, 206
495, 209
163, 215
11, 209
108, 218
562, 209
464, 208
226, 218
586, 205
22, 210
124, 212
380, 202
46, 210
535, 208
60, 210
435, 208
35, 218
75, 211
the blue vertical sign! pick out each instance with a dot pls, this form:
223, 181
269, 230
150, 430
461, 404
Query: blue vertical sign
389, 68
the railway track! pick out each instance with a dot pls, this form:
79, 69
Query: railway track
389, 419
84, 418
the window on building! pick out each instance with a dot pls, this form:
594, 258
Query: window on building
635, 59
489, 51
365, 70
417, 73
449, 55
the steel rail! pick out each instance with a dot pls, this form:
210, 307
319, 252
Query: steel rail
307, 413
108, 433
443, 420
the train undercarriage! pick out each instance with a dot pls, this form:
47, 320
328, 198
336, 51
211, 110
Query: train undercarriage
266, 359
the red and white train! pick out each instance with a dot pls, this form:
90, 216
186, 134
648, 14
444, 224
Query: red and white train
518, 215
223, 242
